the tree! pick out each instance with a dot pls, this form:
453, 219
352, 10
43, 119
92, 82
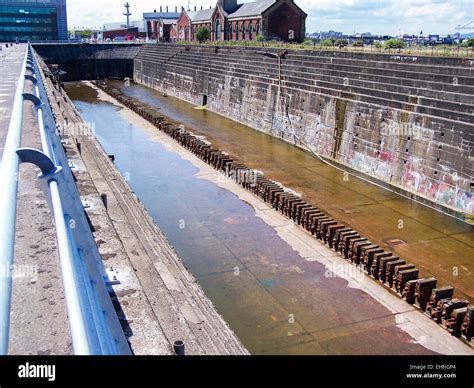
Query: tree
341, 43
202, 34
260, 38
85, 34
358, 43
394, 44
328, 42
469, 42
378, 45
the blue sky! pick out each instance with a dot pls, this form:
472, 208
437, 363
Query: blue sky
348, 16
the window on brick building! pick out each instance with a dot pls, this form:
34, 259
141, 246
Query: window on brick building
250, 31
218, 29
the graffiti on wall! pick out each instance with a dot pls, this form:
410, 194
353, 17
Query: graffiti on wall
444, 193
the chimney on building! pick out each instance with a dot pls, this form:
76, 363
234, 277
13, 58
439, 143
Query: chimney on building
166, 9
161, 8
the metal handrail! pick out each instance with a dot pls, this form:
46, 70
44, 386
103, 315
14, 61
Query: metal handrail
94, 325
66, 255
8, 204
71, 289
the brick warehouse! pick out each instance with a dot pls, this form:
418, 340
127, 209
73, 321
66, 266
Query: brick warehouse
273, 19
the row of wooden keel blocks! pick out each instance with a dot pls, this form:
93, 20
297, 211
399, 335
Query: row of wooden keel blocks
456, 315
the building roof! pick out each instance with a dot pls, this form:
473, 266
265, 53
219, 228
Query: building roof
161, 15
191, 14
203, 15
222, 10
255, 8
169, 21
120, 25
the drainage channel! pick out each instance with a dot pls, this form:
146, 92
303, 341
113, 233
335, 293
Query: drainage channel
270, 283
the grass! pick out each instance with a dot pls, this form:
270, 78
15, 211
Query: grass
437, 51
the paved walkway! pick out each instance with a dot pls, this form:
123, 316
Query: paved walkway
11, 59
39, 322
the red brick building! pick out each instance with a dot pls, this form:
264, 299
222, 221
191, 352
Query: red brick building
201, 19
273, 19
159, 24
173, 33
183, 26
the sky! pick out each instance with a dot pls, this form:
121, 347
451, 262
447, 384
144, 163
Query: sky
348, 16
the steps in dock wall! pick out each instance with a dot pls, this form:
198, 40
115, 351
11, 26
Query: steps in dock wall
406, 122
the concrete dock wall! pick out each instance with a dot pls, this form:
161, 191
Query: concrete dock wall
90, 61
403, 121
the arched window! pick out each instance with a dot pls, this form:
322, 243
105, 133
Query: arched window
250, 31
237, 30
230, 35
243, 30
257, 28
218, 29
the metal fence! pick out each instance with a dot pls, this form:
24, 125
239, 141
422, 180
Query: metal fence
94, 326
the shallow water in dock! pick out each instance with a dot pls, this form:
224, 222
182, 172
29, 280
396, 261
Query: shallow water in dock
437, 244
275, 300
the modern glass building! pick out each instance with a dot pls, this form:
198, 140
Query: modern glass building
33, 20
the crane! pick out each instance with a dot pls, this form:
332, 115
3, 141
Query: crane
127, 14
468, 26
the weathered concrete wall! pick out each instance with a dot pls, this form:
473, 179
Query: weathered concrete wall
90, 61
404, 121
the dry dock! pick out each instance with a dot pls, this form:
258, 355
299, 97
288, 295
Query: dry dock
275, 284
158, 302
240, 278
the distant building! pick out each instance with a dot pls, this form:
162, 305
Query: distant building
33, 20
139, 24
135, 29
159, 24
201, 19
95, 34
330, 34
183, 25
154, 25
229, 21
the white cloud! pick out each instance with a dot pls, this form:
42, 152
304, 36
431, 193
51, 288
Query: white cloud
376, 16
